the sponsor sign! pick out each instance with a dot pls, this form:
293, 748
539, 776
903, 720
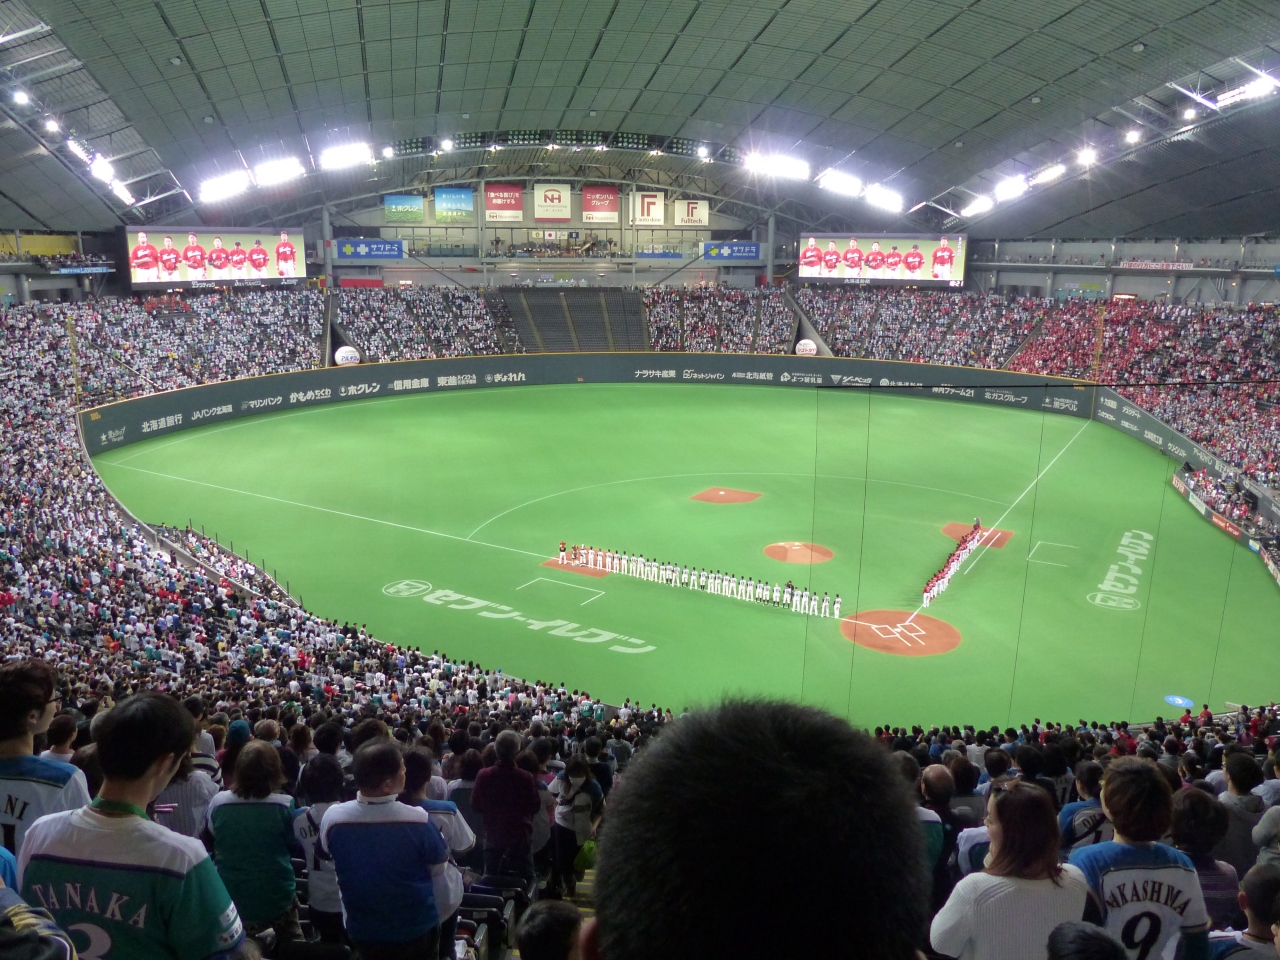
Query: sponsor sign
1271, 565
345, 356
1179, 485
690, 213
551, 201
400, 208
806, 348
648, 208
454, 204
91, 268
503, 203
360, 248
733, 250
1156, 264
600, 205
1120, 584
1222, 523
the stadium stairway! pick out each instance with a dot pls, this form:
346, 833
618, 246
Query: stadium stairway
573, 320
624, 311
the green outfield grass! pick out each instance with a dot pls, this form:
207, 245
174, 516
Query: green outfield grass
470, 491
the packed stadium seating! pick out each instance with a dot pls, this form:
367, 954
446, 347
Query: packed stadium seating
708, 318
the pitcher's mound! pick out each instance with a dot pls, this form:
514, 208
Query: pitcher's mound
899, 633
794, 551
570, 568
991, 536
725, 495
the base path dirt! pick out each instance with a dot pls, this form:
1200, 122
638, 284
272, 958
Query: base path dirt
725, 495
991, 536
570, 568
795, 551
899, 633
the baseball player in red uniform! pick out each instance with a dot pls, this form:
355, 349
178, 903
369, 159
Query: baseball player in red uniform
286, 257
810, 259
194, 257
874, 261
830, 259
144, 261
169, 258
852, 258
219, 261
258, 259
239, 257
893, 264
912, 262
943, 260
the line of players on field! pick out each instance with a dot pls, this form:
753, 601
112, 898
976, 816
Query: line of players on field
875, 264
709, 581
151, 265
942, 579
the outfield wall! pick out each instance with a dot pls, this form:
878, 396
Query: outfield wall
128, 421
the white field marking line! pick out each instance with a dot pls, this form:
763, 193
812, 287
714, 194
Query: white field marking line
242, 422
1041, 543
576, 586
336, 513
1048, 563
679, 476
1031, 486
876, 626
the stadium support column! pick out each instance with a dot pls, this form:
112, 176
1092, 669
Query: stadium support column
24, 288
772, 243
482, 237
326, 234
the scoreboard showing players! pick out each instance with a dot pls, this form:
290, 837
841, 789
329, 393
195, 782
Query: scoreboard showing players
927, 260
194, 257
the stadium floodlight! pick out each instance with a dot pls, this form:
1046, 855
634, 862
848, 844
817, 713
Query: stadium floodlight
346, 155
101, 168
1048, 174
21, 97
446, 144
269, 173
1253, 90
388, 152
883, 198
51, 125
78, 148
1132, 136
1189, 113
224, 187
1011, 188
122, 193
600, 147
776, 165
553, 146
837, 181
979, 204
702, 152
1087, 157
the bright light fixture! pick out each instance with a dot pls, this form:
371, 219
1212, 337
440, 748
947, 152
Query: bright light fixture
1189, 113
1253, 90
702, 152
51, 125
446, 144
495, 147
78, 148
346, 155
388, 152
777, 165
224, 187
1011, 188
101, 168
1132, 136
1048, 174
883, 198
601, 146
271, 172
979, 204
1087, 157
21, 97
845, 184
553, 146
122, 193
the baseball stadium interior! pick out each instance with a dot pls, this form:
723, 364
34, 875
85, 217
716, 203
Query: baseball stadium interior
570, 479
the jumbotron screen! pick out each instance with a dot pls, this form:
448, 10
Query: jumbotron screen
193, 257
930, 260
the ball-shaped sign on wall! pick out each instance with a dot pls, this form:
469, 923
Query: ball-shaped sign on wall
345, 356
806, 348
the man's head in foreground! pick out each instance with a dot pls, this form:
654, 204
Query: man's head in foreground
739, 819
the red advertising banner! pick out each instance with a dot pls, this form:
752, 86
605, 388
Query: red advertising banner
1222, 523
599, 204
503, 203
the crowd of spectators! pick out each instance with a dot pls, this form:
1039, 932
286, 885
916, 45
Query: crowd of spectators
710, 318
419, 322
54, 260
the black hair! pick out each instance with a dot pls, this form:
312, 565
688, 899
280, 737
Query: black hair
1078, 940
375, 763
25, 685
676, 829
137, 732
548, 930
321, 779
328, 737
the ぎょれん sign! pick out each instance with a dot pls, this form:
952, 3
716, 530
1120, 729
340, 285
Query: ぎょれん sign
551, 201
599, 204
503, 203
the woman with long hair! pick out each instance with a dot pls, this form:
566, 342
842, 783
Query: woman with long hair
1007, 911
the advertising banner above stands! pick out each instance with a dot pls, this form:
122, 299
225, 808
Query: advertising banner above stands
191, 258
402, 209
690, 213
454, 204
91, 268
1156, 265
363, 248
503, 203
600, 205
648, 208
552, 201
731, 250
